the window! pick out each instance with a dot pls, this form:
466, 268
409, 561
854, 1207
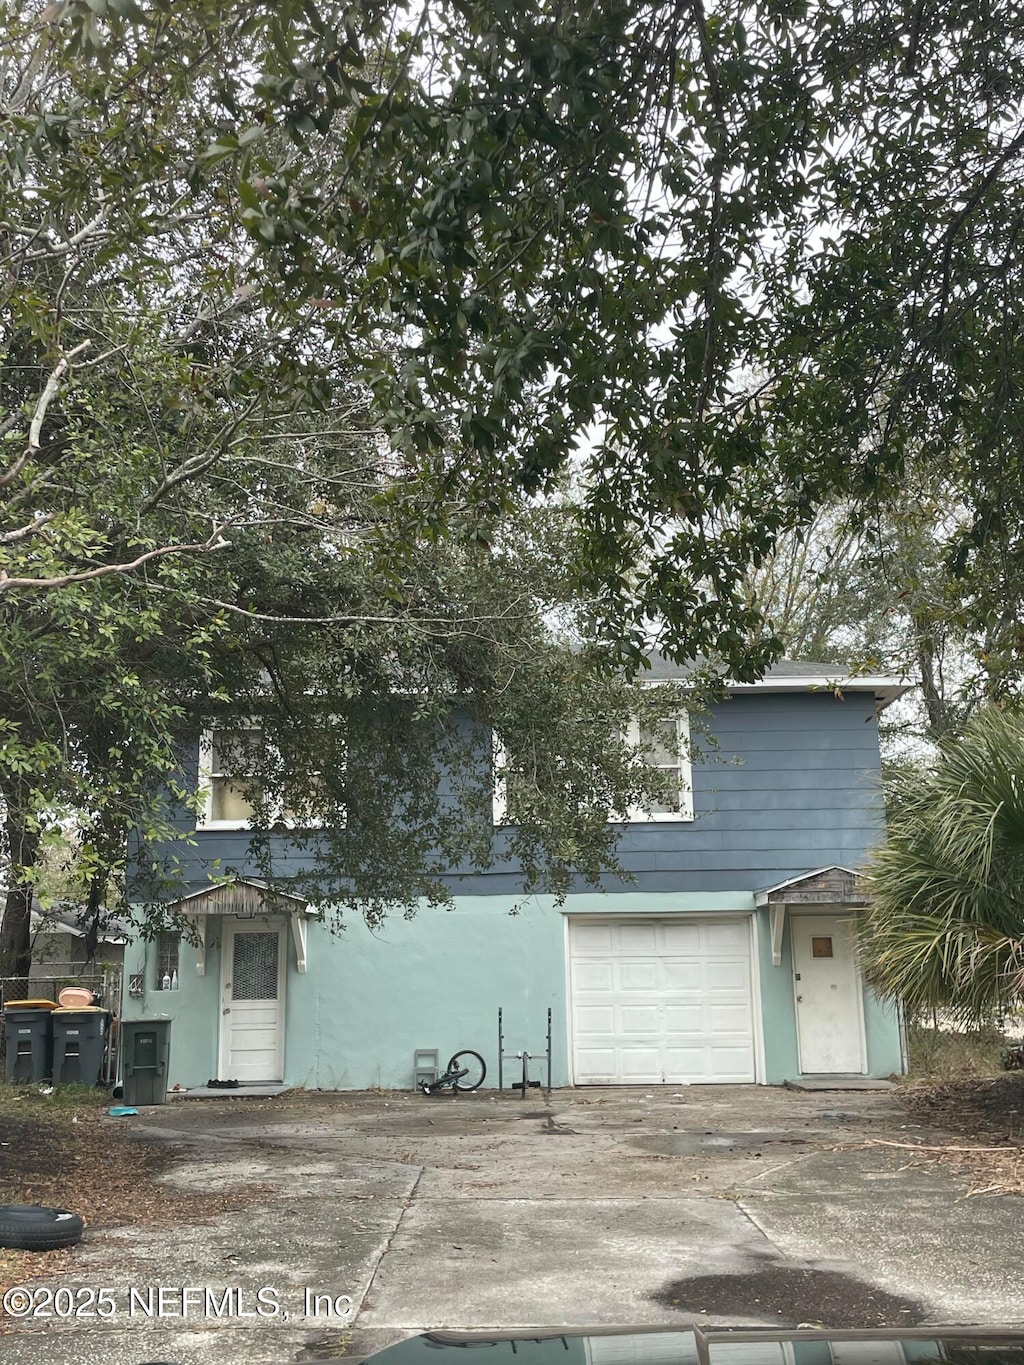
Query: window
228, 763
307, 814
168, 949
666, 746
508, 803
226, 759
502, 773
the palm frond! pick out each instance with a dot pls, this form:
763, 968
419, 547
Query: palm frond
945, 924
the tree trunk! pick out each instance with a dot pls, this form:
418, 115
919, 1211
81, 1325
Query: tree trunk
938, 721
93, 914
16, 930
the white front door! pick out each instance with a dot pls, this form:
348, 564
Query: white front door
829, 1013
252, 1000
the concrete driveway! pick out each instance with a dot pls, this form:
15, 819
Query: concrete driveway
376, 1216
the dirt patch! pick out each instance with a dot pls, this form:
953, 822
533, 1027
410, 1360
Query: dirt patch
93, 1164
793, 1296
971, 1108
982, 1123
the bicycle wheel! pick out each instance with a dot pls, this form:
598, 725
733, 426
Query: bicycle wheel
473, 1065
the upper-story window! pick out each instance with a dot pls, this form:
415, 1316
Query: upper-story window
503, 782
666, 746
228, 761
229, 764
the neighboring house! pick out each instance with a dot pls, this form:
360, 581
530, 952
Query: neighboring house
729, 958
58, 945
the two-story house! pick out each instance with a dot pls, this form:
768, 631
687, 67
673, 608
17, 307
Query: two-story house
729, 957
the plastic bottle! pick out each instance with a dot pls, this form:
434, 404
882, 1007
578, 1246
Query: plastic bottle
174, 979
165, 985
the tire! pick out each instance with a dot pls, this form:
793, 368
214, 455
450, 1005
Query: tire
31, 1227
476, 1070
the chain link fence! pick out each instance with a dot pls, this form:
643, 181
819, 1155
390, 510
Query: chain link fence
104, 982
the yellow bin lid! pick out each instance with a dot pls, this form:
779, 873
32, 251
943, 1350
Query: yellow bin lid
30, 1005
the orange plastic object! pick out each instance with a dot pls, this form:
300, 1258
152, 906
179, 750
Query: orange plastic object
73, 997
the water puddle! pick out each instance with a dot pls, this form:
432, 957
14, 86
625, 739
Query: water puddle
788, 1296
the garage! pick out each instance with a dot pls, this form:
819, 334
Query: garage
665, 1000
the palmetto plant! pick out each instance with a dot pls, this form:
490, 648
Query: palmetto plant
945, 923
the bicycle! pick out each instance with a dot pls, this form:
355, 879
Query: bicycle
465, 1072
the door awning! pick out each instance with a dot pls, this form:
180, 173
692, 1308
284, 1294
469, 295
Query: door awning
835, 886
245, 898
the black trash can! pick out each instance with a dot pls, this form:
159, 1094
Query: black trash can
29, 1041
79, 1037
145, 1049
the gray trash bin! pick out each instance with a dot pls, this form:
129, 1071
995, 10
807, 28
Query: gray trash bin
29, 1041
79, 1037
145, 1048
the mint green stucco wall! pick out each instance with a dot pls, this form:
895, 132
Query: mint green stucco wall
369, 999
882, 1026
194, 1008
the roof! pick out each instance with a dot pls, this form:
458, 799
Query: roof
68, 917
820, 886
242, 896
65, 921
793, 675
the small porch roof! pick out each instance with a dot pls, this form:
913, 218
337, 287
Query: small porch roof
245, 898
833, 886
823, 886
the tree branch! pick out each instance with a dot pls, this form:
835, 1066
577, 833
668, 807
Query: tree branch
199, 464
24, 532
8, 584
351, 618
970, 204
52, 249
47, 396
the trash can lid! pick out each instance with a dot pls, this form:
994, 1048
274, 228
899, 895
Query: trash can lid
30, 1005
81, 1009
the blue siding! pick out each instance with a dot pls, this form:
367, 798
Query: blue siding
792, 785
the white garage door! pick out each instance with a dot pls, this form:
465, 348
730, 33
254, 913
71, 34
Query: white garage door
661, 1000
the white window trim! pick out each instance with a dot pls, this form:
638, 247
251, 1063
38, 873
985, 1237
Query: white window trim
204, 819
499, 789
636, 815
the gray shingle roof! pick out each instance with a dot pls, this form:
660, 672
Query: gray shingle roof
785, 668
787, 675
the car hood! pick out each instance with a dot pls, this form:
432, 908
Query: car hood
712, 1346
